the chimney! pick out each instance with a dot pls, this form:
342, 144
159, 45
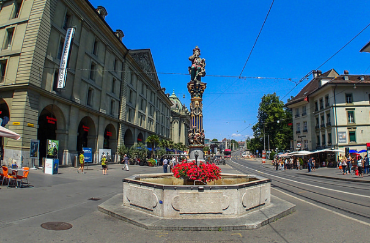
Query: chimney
314, 74
102, 11
346, 75
319, 73
119, 34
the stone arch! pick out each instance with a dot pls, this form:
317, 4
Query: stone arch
51, 121
110, 138
140, 138
86, 136
128, 138
5, 116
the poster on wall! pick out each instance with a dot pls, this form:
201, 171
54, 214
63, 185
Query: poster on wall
34, 149
52, 148
107, 153
87, 155
342, 137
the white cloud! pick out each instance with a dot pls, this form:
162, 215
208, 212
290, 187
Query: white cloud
236, 135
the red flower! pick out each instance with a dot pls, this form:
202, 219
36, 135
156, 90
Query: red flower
203, 172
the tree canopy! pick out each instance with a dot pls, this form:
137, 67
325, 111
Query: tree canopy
274, 121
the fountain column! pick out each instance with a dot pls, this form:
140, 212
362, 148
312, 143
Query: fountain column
196, 89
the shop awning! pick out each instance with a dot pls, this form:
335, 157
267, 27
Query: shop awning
8, 133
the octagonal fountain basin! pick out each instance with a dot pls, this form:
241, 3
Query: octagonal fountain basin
165, 196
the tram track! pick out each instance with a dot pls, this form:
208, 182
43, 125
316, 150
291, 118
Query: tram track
343, 205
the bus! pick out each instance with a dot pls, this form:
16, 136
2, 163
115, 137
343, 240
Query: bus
227, 153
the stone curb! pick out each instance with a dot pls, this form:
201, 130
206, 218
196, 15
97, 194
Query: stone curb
279, 208
335, 178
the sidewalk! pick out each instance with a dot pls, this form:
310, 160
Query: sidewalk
323, 172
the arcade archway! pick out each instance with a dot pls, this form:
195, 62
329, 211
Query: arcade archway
128, 138
86, 136
4, 119
110, 138
50, 119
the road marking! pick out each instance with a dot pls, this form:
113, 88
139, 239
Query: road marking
345, 216
238, 234
329, 189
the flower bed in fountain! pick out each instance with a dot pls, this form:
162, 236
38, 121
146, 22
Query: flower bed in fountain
204, 172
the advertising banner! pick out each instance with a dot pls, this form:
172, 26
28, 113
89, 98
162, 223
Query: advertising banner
107, 153
342, 137
34, 149
52, 148
64, 59
49, 166
87, 155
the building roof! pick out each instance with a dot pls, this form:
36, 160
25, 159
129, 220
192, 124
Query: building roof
176, 102
330, 77
366, 48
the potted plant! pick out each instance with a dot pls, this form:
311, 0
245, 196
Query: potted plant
151, 162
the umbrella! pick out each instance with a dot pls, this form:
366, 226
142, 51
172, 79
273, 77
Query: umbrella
8, 133
362, 151
353, 151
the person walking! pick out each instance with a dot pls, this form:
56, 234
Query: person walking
313, 165
276, 164
165, 163
344, 165
126, 161
298, 164
81, 159
309, 164
104, 164
366, 165
349, 164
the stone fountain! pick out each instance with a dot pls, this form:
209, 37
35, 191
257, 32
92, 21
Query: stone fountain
162, 202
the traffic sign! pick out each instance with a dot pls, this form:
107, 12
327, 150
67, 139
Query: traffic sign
299, 145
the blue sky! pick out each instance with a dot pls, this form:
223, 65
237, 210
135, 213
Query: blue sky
298, 37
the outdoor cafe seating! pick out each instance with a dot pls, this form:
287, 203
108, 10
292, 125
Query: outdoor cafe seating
13, 176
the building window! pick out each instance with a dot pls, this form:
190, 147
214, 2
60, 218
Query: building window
55, 83
17, 8
298, 128
113, 84
351, 116
322, 121
60, 49
304, 126
349, 98
316, 106
296, 112
8, 38
323, 140
2, 70
115, 64
328, 121
318, 140
327, 101
304, 111
352, 136
317, 122
306, 144
95, 48
329, 138
92, 71
66, 22
132, 77
321, 104
90, 94
112, 107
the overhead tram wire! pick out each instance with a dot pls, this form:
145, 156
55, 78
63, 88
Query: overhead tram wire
250, 53
301, 80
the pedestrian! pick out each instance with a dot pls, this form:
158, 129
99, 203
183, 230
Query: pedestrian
276, 164
104, 164
126, 161
349, 164
298, 164
81, 159
165, 163
359, 166
366, 165
313, 165
291, 163
309, 164
344, 165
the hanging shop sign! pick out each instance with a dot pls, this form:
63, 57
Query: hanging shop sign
342, 137
87, 155
109, 134
16, 123
85, 128
64, 59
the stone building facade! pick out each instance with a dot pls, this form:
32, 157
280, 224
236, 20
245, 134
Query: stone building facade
92, 110
180, 121
332, 111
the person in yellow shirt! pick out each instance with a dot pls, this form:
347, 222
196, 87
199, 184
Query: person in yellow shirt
81, 159
104, 164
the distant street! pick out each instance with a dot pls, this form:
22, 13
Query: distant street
65, 198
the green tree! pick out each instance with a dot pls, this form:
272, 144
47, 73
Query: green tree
273, 120
214, 140
153, 140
